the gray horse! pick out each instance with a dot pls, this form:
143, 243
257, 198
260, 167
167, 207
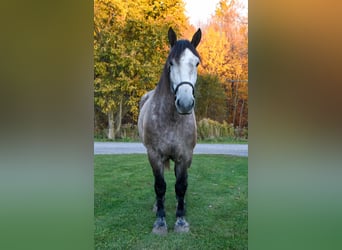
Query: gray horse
167, 125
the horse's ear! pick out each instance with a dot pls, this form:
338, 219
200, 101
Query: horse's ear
172, 37
196, 38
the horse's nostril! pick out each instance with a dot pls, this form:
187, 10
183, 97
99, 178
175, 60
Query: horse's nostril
177, 102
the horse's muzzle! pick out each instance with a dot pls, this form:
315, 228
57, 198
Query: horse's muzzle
184, 109
184, 98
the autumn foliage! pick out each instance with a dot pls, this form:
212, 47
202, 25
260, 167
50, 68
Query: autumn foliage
130, 48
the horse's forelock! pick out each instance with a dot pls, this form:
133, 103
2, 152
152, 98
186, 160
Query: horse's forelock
179, 47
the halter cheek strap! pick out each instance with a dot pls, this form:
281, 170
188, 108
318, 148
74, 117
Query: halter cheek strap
185, 83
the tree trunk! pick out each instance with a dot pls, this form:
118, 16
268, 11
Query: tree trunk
235, 103
241, 113
111, 125
119, 119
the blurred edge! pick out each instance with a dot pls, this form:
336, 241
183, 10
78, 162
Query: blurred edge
46, 103
295, 115
46, 185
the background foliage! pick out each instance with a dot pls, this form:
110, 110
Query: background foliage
130, 48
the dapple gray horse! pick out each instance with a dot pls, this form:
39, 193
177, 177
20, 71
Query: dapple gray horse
167, 125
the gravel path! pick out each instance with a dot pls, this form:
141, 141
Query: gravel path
138, 148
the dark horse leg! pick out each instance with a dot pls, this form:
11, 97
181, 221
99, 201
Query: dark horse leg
181, 185
159, 226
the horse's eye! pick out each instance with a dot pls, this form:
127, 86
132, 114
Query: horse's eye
171, 63
197, 64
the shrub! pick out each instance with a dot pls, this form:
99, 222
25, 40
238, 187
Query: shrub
210, 129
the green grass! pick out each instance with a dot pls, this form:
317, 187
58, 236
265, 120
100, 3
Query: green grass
216, 204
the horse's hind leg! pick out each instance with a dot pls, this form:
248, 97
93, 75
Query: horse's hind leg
159, 226
181, 185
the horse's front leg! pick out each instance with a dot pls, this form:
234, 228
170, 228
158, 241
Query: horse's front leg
159, 226
181, 185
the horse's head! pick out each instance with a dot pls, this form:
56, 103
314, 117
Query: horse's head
182, 64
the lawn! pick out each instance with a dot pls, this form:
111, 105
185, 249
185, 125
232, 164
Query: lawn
216, 204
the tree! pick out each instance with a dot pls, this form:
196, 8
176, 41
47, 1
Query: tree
224, 52
213, 50
210, 98
130, 46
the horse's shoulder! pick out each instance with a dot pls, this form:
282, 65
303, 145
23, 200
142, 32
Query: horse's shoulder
145, 97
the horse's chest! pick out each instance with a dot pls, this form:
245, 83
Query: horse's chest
179, 135
169, 133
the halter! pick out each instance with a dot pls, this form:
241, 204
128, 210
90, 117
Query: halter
185, 83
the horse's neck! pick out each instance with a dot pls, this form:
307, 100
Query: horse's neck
164, 97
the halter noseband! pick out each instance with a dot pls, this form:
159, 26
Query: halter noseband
184, 83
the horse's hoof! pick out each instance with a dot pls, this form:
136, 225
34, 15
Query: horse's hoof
160, 227
181, 225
